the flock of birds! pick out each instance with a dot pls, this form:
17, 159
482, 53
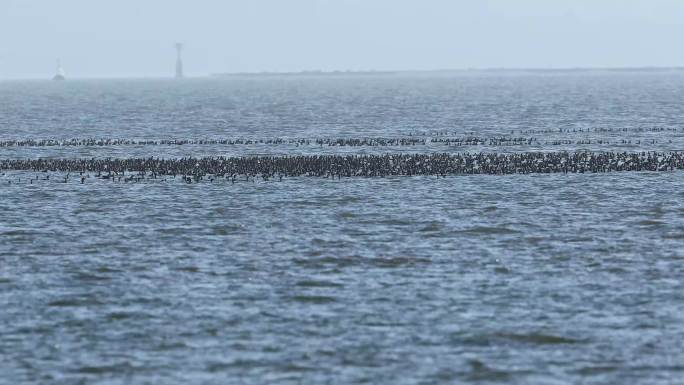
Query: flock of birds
469, 140
193, 170
340, 165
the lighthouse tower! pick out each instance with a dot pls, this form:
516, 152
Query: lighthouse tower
179, 61
60, 72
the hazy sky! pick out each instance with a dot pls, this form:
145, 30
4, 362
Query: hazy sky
135, 37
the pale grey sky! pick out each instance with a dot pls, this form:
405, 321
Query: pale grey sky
135, 37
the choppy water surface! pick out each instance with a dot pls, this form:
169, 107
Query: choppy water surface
538, 279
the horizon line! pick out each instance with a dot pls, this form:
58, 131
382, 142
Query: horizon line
371, 72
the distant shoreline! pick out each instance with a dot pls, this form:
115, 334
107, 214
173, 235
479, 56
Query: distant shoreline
447, 71
305, 73
229, 75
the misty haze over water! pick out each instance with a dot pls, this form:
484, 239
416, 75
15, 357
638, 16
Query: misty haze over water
135, 39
